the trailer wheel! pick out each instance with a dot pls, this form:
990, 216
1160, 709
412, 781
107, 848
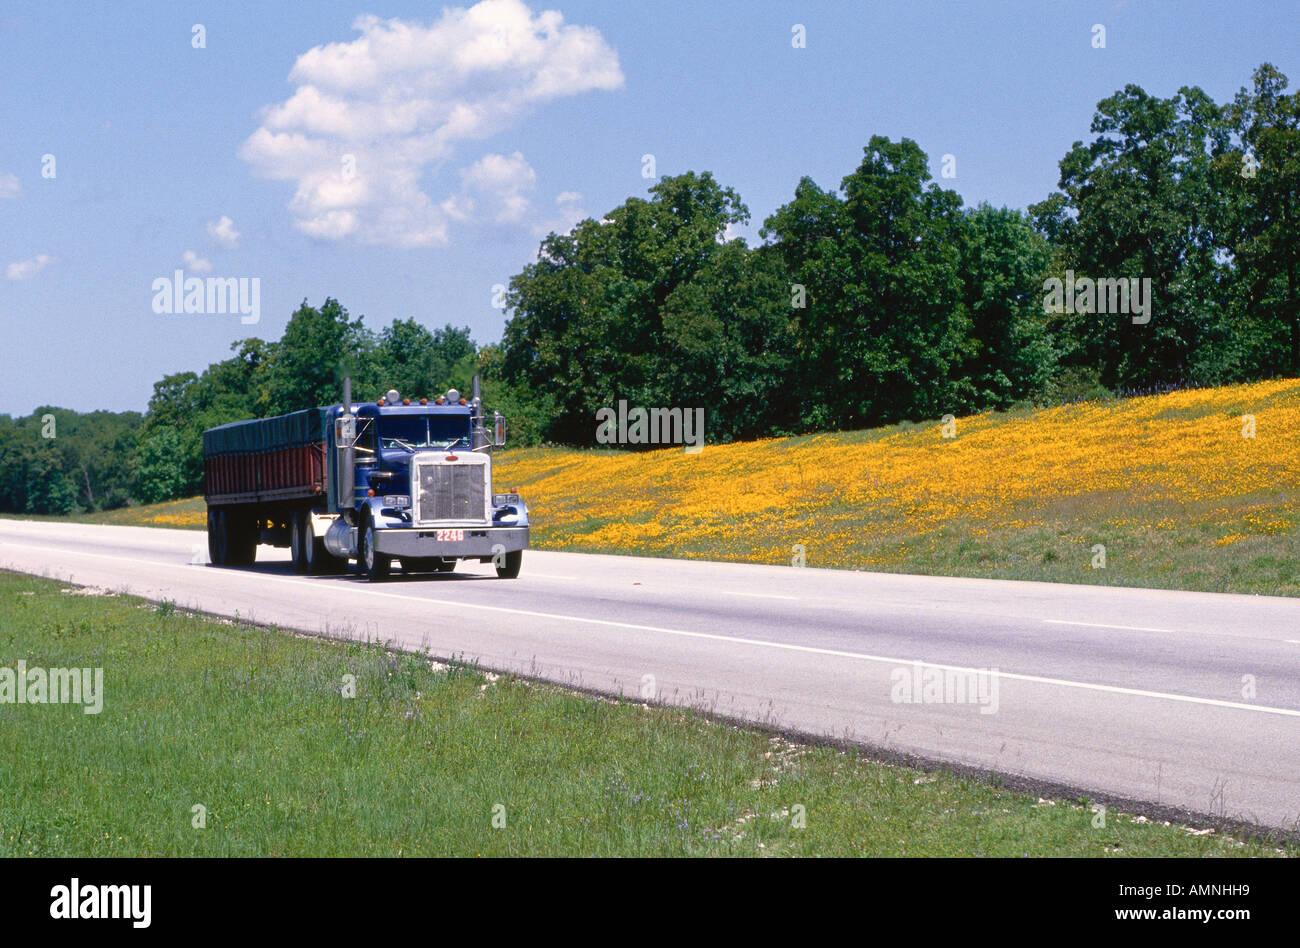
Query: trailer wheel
514, 559
217, 536
241, 538
375, 564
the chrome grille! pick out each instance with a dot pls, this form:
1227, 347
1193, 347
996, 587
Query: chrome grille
451, 492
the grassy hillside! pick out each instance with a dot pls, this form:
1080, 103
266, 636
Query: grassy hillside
1167, 484
431, 759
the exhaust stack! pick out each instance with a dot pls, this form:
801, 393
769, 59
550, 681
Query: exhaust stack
479, 440
345, 437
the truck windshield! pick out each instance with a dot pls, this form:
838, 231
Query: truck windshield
424, 431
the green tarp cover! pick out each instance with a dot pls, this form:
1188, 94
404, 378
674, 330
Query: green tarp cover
267, 434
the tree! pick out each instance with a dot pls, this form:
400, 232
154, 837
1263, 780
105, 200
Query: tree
418, 362
1138, 202
318, 346
1003, 265
885, 329
162, 472
1262, 178
652, 305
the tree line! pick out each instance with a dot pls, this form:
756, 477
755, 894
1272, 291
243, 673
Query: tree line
881, 300
887, 299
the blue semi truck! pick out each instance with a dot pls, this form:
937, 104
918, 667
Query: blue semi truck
394, 480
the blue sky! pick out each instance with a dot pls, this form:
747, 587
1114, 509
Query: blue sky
473, 131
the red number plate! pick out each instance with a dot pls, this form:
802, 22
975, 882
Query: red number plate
448, 535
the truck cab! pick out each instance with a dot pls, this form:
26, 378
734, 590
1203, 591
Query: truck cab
412, 482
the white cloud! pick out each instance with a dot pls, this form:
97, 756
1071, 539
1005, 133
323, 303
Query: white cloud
26, 269
494, 186
370, 117
223, 232
194, 263
569, 213
9, 186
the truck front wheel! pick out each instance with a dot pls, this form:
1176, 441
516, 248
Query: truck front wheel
376, 564
510, 569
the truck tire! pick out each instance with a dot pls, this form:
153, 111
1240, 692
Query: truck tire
241, 538
216, 536
317, 558
375, 564
514, 559
300, 531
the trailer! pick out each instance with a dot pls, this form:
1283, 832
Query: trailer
377, 482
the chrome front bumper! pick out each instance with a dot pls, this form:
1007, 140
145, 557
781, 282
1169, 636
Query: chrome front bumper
422, 541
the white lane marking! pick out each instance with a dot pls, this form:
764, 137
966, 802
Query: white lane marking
733, 639
727, 592
1293, 641
1107, 625
531, 575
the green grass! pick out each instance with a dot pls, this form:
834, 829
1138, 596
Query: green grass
251, 724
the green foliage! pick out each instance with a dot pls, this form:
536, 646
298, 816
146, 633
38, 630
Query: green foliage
886, 327
418, 362
1166, 190
1263, 223
161, 474
1003, 265
303, 369
318, 347
56, 461
882, 301
655, 306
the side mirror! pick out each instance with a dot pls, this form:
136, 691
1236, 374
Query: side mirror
498, 429
345, 430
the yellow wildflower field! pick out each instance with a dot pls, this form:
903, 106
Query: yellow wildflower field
1192, 489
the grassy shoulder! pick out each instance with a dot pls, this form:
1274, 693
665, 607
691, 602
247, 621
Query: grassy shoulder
190, 513
428, 759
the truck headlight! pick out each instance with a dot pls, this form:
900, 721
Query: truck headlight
397, 500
